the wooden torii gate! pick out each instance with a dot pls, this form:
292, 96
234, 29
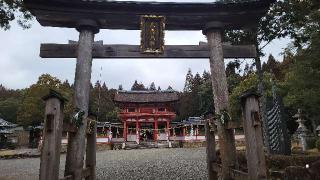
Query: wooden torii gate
88, 17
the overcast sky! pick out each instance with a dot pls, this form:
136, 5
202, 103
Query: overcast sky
20, 64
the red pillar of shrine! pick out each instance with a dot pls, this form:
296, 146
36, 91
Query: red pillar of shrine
125, 131
168, 128
183, 131
137, 132
155, 131
195, 131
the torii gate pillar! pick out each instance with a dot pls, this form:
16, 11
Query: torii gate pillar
76, 141
213, 32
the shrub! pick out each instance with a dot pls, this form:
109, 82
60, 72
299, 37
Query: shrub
318, 144
311, 142
11, 145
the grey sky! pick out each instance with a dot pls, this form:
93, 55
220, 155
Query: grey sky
20, 64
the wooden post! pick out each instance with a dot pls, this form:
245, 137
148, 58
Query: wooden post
76, 141
211, 151
221, 99
52, 132
91, 149
254, 142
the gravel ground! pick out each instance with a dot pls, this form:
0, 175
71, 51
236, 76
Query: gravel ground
176, 163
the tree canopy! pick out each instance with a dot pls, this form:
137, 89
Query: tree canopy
11, 10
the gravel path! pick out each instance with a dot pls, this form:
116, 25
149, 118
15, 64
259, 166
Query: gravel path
176, 163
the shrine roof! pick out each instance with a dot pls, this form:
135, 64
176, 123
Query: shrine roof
146, 96
6, 124
126, 14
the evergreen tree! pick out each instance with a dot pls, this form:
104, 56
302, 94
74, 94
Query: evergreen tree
188, 82
97, 85
159, 88
233, 78
169, 88
302, 82
135, 86
152, 87
120, 88
206, 76
232, 66
66, 84
138, 86
273, 67
104, 86
196, 82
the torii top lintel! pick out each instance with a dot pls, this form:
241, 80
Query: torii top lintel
126, 14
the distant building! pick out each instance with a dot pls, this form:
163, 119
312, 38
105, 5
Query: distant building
6, 127
146, 115
191, 129
6, 133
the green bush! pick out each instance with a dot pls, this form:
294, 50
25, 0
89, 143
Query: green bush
11, 145
311, 142
318, 144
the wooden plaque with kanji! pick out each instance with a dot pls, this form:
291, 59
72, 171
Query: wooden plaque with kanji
152, 34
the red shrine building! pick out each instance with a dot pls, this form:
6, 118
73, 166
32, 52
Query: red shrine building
146, 115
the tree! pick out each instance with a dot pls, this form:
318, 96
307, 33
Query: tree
12, 9
9, 108
31, 111
233, 78
249, 82
120, 88
101, 102
302, 82
66, 84
205, 94
198, 100
104, 86
152, 87
206, 76
112, 116
138, 86
294, 18
135, 85
271, 66
188, 81
196, 82
169, 88
9, 93
10, 101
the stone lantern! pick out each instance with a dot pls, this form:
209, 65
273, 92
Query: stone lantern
302, 130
